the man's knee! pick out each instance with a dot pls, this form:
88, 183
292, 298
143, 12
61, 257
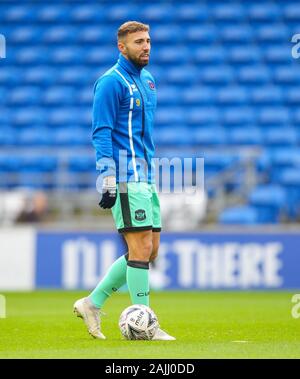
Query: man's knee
154, 255
142, 248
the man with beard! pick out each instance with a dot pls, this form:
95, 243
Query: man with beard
123, 116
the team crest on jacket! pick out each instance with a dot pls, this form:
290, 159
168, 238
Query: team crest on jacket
151, 85
140, 215
138, 102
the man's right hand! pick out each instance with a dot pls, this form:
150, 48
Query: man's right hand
109, 192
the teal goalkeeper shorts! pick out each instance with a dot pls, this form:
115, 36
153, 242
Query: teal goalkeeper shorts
137, 207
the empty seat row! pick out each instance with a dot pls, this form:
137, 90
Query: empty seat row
149, 12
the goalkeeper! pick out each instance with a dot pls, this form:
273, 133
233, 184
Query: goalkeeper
123, 115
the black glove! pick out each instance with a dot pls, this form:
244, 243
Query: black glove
109, 192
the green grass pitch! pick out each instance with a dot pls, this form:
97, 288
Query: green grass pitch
207, 325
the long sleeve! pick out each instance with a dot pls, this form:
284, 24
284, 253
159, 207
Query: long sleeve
107, 96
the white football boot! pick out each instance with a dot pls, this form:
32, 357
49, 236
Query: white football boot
160, 335
84, 309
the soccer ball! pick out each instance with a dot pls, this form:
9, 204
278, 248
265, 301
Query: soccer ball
138, 322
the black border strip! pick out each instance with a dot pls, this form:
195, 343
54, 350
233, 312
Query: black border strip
123, 190
156, 229
135, 229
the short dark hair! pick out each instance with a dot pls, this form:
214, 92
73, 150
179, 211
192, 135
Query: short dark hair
132, 27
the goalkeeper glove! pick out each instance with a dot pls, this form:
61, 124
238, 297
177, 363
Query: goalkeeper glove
109, 192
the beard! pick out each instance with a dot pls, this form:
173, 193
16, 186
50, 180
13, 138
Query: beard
136, 60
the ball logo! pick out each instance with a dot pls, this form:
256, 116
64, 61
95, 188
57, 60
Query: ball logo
151, 85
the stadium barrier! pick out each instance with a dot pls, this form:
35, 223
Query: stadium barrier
35, 259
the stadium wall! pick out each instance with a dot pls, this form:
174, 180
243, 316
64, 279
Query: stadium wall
35, 259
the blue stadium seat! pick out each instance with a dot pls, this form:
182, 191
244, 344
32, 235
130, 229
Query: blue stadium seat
274, 116
39, 164
31, 56
41, 75
25, 96
276, 32
292, 95
282, 159
239, 215
280, 137
75, 75
5, 116
239, 115
66, 55
168, 55
201, 33
238, 33
85, 96
292, 11
205, 54
214, 163
9, 77
212, 136
38, 172
19, 14
296, 116
244, 54
94, 34
198, 116
60, 35
161, 34
29, 116
26, 35
170, 115
53, 13
170, 136
88, 13
156, 13
35, 136
72, 137
9, 166
263, 13
96, 56
122, 12
7, 136
269, 201
168, 95
217, 74
196, 95
59, 96
290, 179
228, 12
182, 75
189, 13
268, 94
245, 136
233, 94
286, 74
254, 74
278, 54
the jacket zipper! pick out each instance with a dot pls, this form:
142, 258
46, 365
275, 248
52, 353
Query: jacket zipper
143, 120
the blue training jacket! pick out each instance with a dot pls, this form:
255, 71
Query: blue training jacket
123, 117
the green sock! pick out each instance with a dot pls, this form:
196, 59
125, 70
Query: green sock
112, 281
138, 282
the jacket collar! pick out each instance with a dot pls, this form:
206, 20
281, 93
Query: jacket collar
128, 65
